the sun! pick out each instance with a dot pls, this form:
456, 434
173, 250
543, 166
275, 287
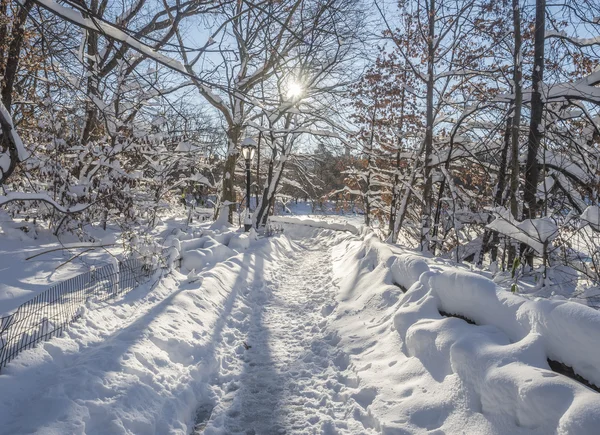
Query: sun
294, 90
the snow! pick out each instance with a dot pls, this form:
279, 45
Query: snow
497, 369
22, 153
198, 178
126, 14
591, 216
249, 141
212, 252
583, 89
21, 279
545, 187
40, 196
187, 147
580, 42
293, 378
567, 164
211, 95
4, 162
544, 229
533, 232
322, 329
315, 223
560, 324
407, 268
134, 366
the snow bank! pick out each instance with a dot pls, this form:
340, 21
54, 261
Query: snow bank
143, 364
212, 247
504, 364
201, 258
240, 242
315, 223
407, 268
570, 332
500, 363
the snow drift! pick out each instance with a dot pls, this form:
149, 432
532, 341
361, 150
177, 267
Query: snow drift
501, 362
143, 363
381, 353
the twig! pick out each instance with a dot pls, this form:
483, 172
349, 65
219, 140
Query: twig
69, 247
73, 257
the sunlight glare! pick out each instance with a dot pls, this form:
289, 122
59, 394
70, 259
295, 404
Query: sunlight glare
294, 90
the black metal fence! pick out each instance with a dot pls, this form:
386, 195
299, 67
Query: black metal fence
50, 312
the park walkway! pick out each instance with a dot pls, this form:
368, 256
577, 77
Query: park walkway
287, 376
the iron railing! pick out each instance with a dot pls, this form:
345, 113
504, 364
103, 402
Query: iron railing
50, 312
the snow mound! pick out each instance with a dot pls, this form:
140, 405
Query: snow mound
504, 362
569, 332
407, 268
212, 247
239, 242
500, 362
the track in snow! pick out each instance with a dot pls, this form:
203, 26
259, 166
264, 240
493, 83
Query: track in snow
293, 379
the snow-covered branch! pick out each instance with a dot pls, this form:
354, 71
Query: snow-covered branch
15, 151
107, 29
42, 197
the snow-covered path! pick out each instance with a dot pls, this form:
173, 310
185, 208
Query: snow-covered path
292, 379
307, 332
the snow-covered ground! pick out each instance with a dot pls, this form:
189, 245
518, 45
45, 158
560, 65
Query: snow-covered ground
327, 212
489, 378
32, 262
310, 332
22, 278
562, 282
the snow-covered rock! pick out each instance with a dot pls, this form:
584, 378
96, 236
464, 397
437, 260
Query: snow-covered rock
239, 242
407, 268
202, 258
500, 362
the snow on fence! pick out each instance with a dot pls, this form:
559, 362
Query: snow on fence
50, 312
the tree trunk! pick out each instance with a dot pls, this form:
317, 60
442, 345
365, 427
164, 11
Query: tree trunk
14, 53
234, 134
518, 104
262, 207
499, 194
396, 185
227, 188
395, 196
8, 72
258, 167
91, 112
427, 189
436, 218
369, 169
535, 124
3, 32
404, 203
268, 199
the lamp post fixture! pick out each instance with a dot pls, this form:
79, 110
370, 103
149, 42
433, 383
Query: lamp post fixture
248, 149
